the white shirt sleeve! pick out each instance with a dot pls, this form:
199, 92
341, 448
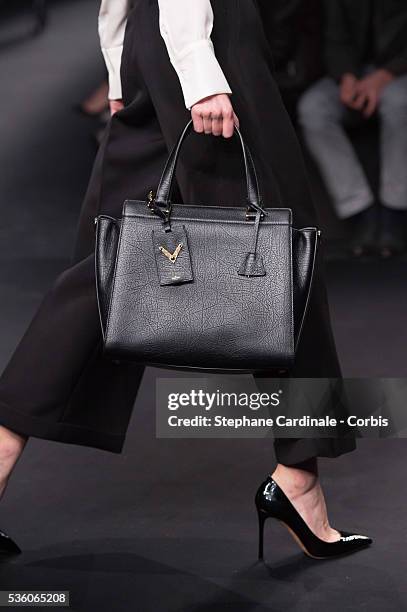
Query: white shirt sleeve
186, 26
186, 34
112, 26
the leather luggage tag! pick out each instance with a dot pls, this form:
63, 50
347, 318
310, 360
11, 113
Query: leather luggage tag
172, 256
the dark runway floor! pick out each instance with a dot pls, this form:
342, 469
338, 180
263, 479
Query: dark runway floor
170, 524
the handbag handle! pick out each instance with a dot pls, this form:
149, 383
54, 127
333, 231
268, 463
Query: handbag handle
162, 199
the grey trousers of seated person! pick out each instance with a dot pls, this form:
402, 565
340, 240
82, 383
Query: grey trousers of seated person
323, 119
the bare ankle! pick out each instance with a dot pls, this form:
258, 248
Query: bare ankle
295, 481
11, 447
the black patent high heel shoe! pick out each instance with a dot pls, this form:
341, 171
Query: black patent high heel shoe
8, 546
271, 502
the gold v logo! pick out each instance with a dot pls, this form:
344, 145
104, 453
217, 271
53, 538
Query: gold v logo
171, 256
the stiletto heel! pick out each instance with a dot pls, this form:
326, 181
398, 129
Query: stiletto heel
271, 502
262, 519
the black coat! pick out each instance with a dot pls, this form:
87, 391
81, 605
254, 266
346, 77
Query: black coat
347, 31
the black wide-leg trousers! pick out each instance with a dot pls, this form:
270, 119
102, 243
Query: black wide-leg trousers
58, 385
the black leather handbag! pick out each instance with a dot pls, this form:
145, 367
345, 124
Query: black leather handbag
203, 287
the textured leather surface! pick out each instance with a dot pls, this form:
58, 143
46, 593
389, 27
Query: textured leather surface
252, 265
228, 214
304, 245
179, 269
221, 320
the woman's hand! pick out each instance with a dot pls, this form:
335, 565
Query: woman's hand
214, 115
115, 106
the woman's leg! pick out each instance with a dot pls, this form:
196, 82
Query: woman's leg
277, 154
302, 486
11, 447
283, 178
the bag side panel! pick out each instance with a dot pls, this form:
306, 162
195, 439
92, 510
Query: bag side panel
305, 243
107, 238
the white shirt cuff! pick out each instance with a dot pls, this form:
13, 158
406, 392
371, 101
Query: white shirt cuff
113, 59
199, 73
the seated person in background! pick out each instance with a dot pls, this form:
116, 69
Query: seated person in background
365, 47
293, 29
